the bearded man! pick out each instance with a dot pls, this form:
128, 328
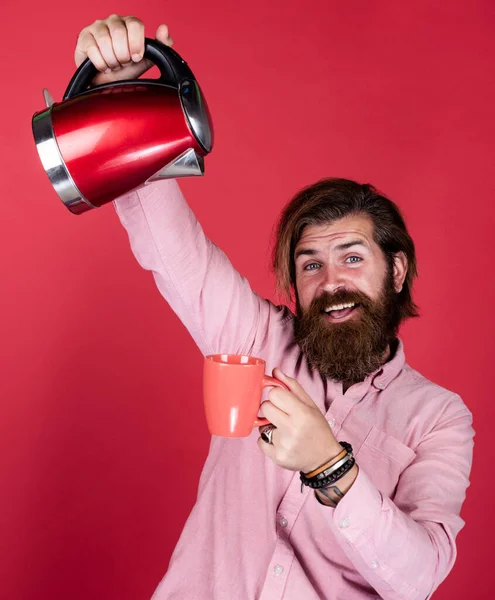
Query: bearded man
355, 491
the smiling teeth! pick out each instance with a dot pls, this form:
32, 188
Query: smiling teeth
339, 307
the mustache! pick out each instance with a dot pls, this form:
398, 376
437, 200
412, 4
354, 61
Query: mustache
326, 299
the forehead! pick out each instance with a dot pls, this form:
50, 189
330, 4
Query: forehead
358, 226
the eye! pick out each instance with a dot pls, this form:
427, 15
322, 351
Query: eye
312, 266
353, 259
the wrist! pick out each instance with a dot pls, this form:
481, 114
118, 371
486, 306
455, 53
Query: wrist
335, 453
333, 494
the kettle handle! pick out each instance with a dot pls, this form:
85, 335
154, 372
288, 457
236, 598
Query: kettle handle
173, 69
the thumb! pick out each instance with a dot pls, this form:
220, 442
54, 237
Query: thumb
294, 386
163, 35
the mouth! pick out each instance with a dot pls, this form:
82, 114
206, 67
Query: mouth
341, 312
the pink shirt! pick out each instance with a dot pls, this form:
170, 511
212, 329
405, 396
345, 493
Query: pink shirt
252, 534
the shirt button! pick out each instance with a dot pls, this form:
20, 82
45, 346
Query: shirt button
278, 569
344, 523
380, 385
331, 422
374, 565
283, 522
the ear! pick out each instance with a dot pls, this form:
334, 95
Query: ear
399, 270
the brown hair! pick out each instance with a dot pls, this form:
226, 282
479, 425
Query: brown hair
332, 199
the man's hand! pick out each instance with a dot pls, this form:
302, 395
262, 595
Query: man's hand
116, 47
303, 440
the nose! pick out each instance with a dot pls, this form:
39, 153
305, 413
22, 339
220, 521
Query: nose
333, 280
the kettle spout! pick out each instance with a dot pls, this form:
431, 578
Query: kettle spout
187, 164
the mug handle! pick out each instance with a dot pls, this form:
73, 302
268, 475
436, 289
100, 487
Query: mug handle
269, 381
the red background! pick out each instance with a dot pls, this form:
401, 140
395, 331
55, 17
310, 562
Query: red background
100, 381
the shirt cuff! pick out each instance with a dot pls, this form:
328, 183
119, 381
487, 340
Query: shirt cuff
358, 509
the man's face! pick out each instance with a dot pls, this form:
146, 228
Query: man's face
339, 256
346, 297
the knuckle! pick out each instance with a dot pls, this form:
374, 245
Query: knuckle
84, 32
134, 22
117, 29
102, 35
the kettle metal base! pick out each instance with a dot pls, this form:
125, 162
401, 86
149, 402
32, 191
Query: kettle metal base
54, 165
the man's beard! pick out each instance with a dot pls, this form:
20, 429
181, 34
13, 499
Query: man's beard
351, 350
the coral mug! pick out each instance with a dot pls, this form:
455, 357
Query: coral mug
232, 386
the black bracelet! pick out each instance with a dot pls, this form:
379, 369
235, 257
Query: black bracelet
332, 474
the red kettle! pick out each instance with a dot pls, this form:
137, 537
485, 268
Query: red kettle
102, 142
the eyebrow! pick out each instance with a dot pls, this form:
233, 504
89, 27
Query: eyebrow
304, 251
348, 245
340, 247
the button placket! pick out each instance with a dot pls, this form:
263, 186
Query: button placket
283, 554
337, 413
291, 505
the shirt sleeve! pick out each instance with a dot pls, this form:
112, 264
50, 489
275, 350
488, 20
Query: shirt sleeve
214, 302
405, 547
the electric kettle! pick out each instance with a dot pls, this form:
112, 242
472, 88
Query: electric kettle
105, 141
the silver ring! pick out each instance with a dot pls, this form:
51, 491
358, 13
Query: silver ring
266, 433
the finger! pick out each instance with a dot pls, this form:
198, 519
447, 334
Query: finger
135, 37
87, 48
276, 416
294, 386
267, 449
284, 400
101, 33
163, 35
118, 34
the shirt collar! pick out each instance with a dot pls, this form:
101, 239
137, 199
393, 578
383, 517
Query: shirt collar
380, 378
